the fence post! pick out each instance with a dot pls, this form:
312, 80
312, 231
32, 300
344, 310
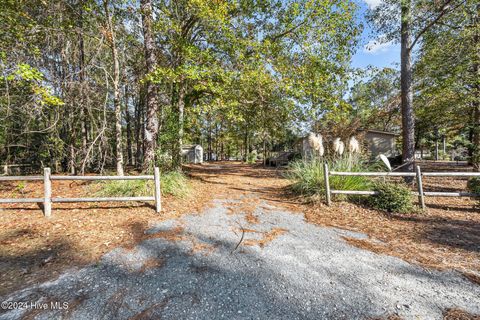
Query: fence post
158, 194
421, 197
47, 185
326, 175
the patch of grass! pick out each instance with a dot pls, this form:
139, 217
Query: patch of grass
308, 176
174, 183
392, 197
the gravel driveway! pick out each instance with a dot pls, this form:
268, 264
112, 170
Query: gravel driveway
217, 265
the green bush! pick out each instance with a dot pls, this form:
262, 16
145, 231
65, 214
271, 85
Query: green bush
174, 183
308, 177
473, 186
392, 197
252, 157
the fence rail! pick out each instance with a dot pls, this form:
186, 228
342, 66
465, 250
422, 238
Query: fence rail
47, 199
418, 174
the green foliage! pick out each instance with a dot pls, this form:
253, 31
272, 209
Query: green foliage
127, 188
308, 176
30, 79
252, 157
21, 185
392, 197
235, 75
163, 160
473, 186
173, 183
446, 67
374, 100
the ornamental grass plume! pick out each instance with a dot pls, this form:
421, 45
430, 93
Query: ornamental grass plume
353, 145
338, 146
315, 142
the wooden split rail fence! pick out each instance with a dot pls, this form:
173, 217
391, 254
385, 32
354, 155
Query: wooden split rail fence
418, 174
47, 199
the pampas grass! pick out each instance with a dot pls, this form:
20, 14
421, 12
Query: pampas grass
308, 177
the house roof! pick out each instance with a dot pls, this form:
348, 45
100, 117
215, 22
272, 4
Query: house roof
382, 132
190, 146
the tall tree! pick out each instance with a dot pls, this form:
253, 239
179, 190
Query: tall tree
408, 118
111, 38
476, 88
151, 101
416, 18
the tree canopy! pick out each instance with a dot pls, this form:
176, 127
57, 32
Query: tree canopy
88, 85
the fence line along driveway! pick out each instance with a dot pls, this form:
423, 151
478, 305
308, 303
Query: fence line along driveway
418, 174
47, 200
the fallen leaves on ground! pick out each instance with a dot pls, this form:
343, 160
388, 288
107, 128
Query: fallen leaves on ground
33, 248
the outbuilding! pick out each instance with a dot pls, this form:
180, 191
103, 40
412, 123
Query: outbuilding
192, 153
381, 142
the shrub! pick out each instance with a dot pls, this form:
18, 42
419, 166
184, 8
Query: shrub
252, 157
392, 197
308, 177
174, 183
473, 186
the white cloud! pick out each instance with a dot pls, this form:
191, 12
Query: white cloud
372, 4
377, 46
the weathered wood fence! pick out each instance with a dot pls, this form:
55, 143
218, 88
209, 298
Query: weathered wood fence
47, 199
418, 174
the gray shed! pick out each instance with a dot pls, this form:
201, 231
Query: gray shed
381, 142
192, 153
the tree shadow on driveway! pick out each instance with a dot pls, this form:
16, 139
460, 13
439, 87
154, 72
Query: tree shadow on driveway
200, 271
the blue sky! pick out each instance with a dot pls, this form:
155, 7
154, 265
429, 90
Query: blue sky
371, 52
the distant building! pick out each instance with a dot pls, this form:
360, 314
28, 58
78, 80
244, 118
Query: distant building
192, 153
380, 142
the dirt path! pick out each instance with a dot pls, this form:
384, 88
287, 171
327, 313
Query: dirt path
247, 256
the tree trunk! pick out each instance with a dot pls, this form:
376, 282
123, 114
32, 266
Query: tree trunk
116, 92
151, 127
209, 155
138, 128
245, 144
408, 119
83, 113
476, 93
72, 159
444, 141
128, 120
177, 157
264, 151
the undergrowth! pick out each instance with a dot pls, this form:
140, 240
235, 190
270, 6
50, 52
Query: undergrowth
252, 157
473, 186
308, 176
174, 183
392, 197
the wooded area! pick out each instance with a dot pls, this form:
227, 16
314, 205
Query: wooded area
96, 84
